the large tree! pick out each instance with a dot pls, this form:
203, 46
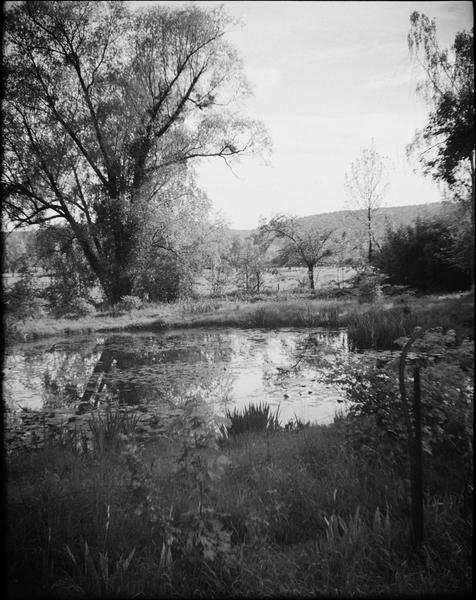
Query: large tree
366, 183
300, 245
102, 105
446, 145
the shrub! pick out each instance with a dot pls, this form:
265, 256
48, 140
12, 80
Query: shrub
422, 256
21, 300
130, 303
80, 307
368, 284
447, 383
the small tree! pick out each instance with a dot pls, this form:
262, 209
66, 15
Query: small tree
247, 257
301, 246
366, 184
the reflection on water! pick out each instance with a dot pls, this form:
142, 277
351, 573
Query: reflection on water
227, 368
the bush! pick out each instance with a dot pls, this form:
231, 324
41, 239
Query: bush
21, 299
130, 303
422, 256
368, 284
447, 383
81, 307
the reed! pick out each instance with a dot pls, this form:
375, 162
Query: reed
109, 425
253, 418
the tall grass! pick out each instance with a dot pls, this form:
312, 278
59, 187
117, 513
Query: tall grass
377, 328
109, 425
298, 513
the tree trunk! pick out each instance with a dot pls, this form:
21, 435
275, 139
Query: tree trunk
473, 202
113, 276
310, 274
369, 222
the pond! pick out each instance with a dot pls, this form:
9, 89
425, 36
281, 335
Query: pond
225, 368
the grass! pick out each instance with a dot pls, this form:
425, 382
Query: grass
292, 513
378, 326
370, 325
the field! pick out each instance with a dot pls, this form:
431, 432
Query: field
284, 279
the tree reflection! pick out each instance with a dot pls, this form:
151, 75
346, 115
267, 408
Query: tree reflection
126, 370
313, 350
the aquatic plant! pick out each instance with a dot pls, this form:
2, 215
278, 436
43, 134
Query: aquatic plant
107, 426
252, 418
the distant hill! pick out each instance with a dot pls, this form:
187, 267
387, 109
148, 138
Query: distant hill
350, 230
347, 220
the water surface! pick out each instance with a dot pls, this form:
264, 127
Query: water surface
224, 367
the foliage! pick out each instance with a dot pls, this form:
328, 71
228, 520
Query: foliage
378, 329
97, 578
61, 258
109, 428
447, 384
298, 512
366, 184
129, 303
449, 137
17, 250
248, 259
79, 307
448, 90
301, 245
174, 239
102, 106
423, 256
252, 418
368, 281
21, 300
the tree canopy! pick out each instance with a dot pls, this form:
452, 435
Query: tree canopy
104, 107
448, 140
300, 245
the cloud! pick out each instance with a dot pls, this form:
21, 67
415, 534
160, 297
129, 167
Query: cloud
392, 81
263, 78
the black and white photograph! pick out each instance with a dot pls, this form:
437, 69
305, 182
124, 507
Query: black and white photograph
238, 298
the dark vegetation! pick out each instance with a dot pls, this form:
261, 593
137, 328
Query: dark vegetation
425, 256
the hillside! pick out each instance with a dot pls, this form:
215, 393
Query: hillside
348, 220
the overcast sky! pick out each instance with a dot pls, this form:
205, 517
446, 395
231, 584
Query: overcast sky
327, 78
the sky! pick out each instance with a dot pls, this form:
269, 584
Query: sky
328, 78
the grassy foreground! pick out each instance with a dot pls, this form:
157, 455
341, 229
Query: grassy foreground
374, 325
285, 513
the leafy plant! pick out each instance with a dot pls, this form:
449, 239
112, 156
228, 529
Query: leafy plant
375, 418
98, 577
